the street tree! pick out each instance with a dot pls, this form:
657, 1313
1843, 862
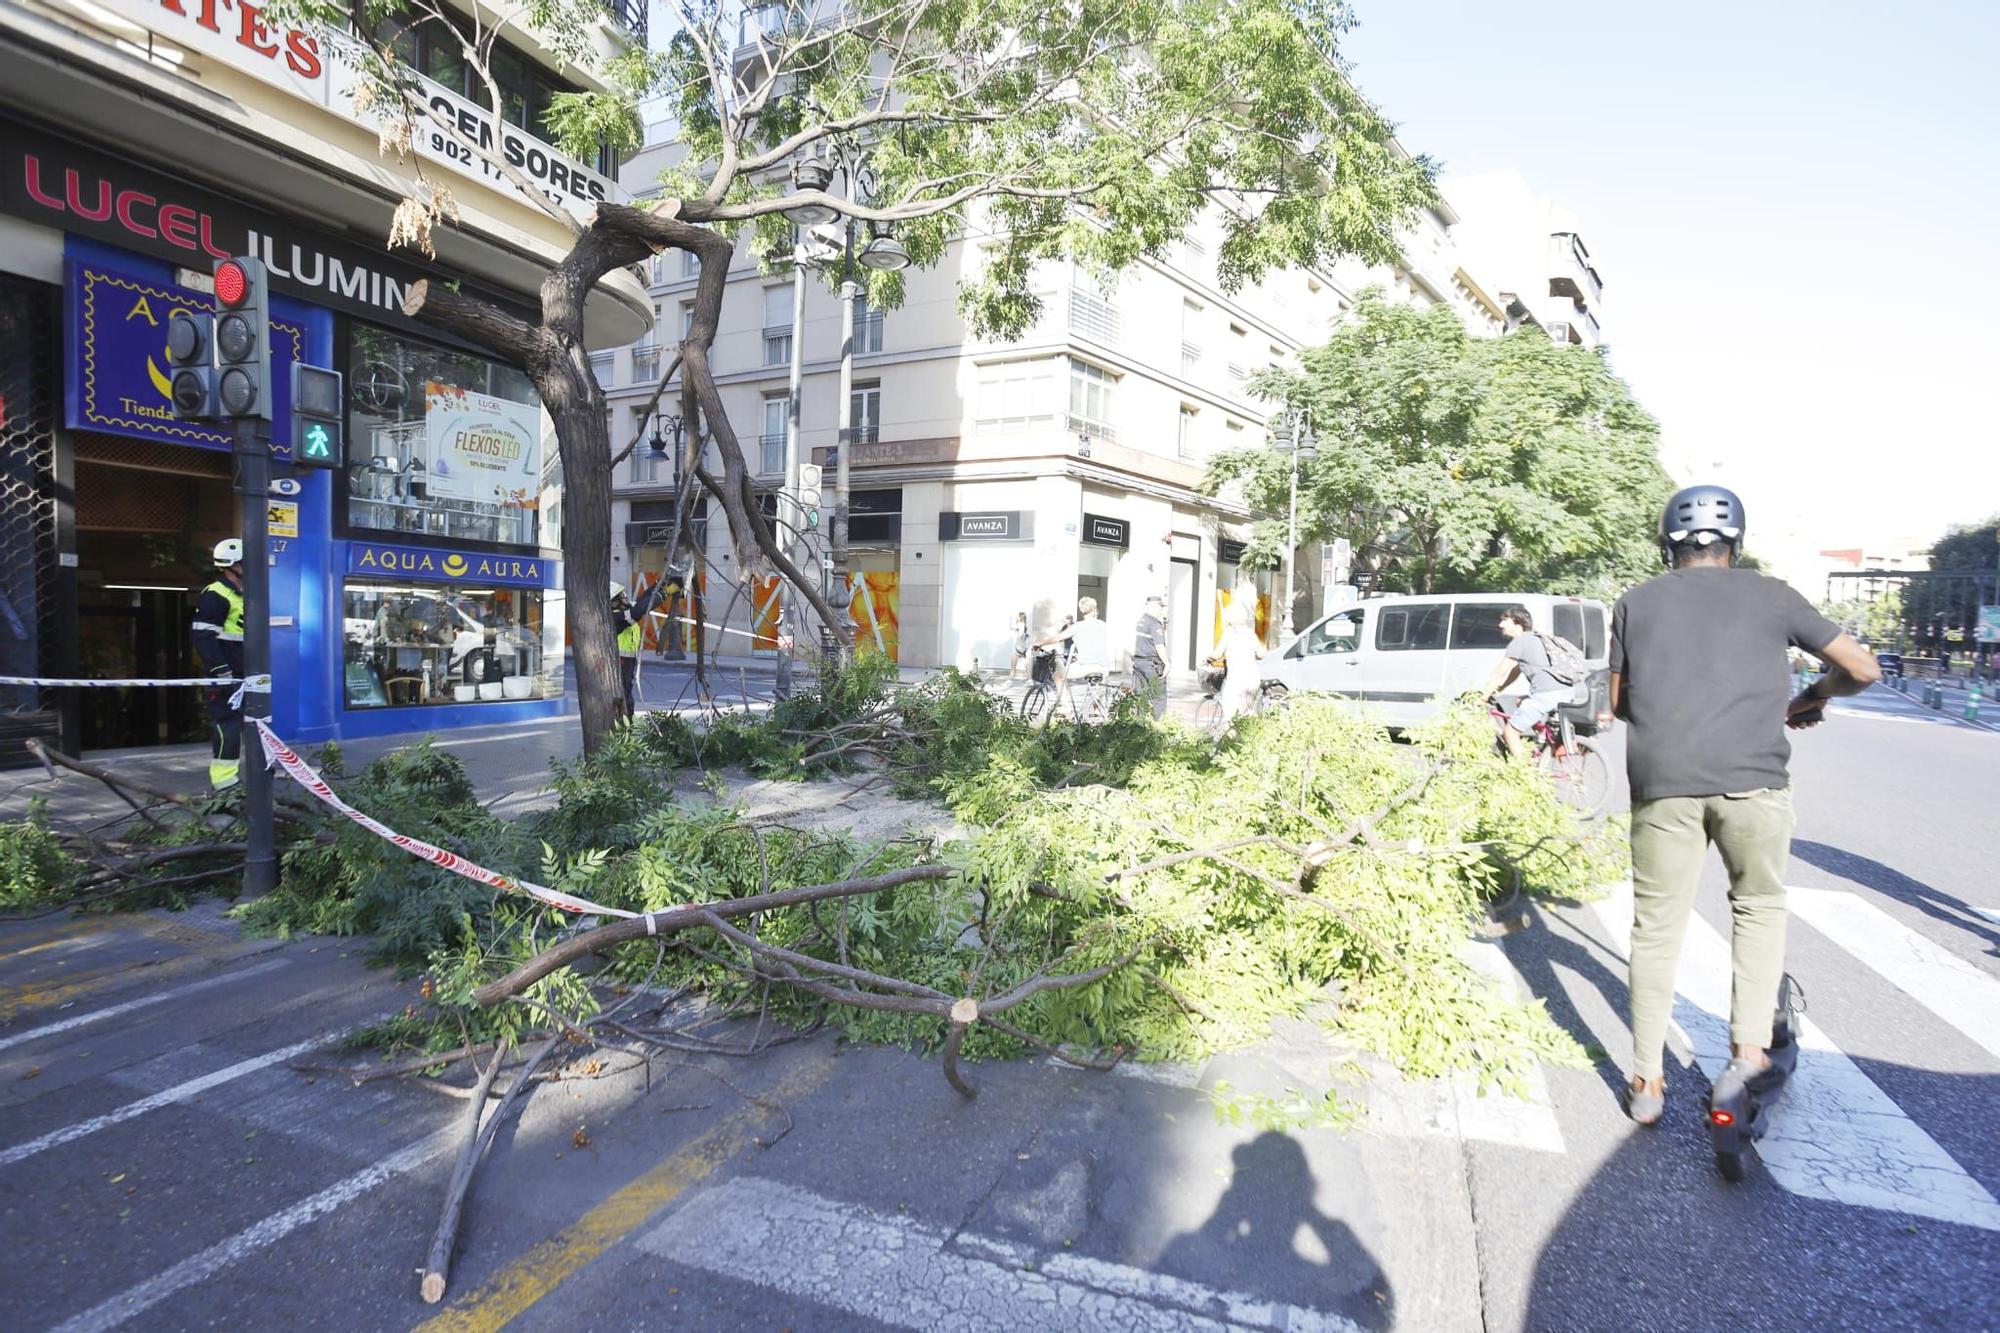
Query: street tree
1460, 463
1096, 131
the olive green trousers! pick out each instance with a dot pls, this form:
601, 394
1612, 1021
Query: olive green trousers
1670, 841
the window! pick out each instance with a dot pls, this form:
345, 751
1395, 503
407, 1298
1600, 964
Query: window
687, 319
1581, 625
1020, 395
440, 643
690, 264
864, 407
1418, 626
1477, 625
1594, 643
867, 327
655, 518
441, 443
1335, 634
875, 517
777, 326
1185, 439
772, 441
1090, 399
1190, 339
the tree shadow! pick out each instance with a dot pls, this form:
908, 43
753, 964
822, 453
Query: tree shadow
1252, 1240
1869, 873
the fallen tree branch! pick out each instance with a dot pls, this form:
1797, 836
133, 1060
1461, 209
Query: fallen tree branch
438, 1266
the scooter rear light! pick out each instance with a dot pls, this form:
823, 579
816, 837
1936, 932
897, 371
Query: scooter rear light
1723, 1117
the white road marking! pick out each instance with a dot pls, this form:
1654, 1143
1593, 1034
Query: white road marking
1990, 913
1497, 1117
1941, 981
136, 1300
910, 1275
1173, 1074
113, 1011
180, 1092
1836, 1135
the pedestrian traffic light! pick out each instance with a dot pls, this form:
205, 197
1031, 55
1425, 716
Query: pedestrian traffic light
242, 340
809, 481
317, 438
190, 372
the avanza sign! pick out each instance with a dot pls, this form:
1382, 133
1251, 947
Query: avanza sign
440, 565
295, 61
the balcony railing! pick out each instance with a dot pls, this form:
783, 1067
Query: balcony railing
1094, 430
1093, 318
629, 15
771, 452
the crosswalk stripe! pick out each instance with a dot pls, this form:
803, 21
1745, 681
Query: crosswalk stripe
116, 1010
1836, 1135
904, 1273
1495, 1117
180, 1092
1941, 981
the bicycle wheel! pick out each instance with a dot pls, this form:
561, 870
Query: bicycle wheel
1208, 714
1593, 779
1094, 708
1033, 702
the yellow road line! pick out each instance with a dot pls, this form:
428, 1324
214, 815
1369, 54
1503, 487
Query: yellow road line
496, 1302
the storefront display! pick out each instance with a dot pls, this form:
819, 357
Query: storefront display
435, 644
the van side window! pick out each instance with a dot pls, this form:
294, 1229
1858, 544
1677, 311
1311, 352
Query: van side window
1336, 634
1477, 625
1594, 645
1569, 624
1417, 626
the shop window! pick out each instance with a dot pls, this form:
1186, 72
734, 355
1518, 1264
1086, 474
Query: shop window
875, 517
441, 443
411, 644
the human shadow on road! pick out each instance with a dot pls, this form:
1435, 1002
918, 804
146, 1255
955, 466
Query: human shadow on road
1252, 1240
1872, 874
1538, 951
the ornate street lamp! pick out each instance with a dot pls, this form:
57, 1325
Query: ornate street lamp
1296, 441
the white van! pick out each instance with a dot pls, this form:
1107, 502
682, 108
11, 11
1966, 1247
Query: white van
1404, 657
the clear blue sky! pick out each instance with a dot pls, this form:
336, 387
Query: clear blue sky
1796, 209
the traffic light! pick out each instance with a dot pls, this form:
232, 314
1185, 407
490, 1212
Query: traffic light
317, 440
191, 374
809, 479
242, 340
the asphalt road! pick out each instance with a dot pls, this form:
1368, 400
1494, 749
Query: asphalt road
163, 1164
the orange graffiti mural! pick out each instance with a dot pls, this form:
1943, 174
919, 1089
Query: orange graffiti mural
872, 601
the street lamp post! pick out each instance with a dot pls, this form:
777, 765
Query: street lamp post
1293, 435
883, 252
658, 446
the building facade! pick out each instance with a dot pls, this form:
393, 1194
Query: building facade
1530, 251
140, 140
996, 478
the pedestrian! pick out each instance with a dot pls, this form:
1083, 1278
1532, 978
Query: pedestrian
1021, 644
1149, 654
1242, 650
217, 625
1698, 671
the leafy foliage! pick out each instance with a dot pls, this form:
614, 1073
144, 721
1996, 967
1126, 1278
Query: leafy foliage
1457, 463
34, 869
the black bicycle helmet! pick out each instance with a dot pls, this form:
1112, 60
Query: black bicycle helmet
1700, 515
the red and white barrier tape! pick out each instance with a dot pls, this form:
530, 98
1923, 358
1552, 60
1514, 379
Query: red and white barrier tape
302, 773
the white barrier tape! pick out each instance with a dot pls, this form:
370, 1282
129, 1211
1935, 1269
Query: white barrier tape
299, 771
52, 682
719, 629
252, 685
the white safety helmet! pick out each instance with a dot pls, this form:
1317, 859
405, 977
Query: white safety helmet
617, 591
228, 551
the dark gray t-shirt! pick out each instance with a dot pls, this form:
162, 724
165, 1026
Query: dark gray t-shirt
1533, 655
1702, 652
1148, 642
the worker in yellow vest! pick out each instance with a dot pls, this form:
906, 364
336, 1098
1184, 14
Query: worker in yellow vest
218, 642
630, 622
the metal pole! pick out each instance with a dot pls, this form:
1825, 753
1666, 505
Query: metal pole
253, 485
844, 459
1291, 539
792, 511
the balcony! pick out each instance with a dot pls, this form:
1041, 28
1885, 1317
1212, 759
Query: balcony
771, 453
1091, 430
1093, 318
631, 16
1571, 273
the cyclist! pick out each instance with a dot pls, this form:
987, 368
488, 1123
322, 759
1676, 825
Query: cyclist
1698, 670
1527, 656
1087, 644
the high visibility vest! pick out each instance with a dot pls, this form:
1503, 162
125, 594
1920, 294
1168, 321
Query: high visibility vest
231, 628
628, 640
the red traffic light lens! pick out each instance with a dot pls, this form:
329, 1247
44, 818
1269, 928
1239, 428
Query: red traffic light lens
232, 284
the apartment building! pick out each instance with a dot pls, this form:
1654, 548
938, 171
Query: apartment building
994, 478
1532, 252
139, 141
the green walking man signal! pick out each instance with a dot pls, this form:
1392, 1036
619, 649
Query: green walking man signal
316, 419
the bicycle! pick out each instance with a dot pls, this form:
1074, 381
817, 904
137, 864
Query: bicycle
1208, 713
1582, 779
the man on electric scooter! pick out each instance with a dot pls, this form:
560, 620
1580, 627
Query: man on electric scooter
1698, 670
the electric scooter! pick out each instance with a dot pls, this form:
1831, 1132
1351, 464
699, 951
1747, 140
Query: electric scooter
1739, 1116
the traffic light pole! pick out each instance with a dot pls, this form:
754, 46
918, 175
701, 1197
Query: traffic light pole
253, 485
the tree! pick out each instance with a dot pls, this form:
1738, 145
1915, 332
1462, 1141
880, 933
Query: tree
1097, 130
1456, 463
1869, 619
1968, 546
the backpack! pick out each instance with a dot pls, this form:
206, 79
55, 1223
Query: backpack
1566, 662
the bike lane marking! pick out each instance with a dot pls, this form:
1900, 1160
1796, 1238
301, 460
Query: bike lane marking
909, 1274
1951, 988
128, 1006
1836, 1135
496, 1302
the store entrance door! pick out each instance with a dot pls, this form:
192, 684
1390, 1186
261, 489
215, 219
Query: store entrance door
1183, 608
147, 517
